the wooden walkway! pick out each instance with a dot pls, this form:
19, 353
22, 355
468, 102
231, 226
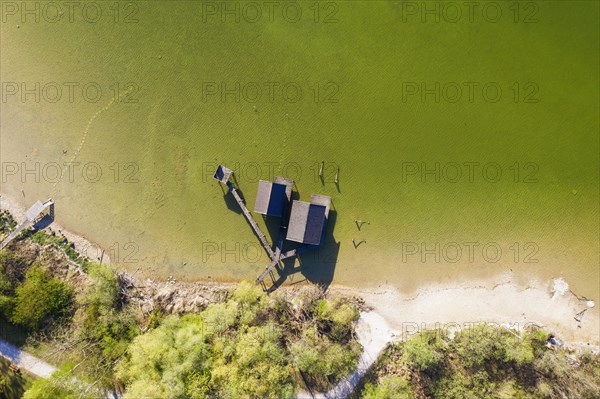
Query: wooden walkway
262, 276
252, 222
30, 217
277, 256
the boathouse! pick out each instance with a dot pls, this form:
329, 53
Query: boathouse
308, 220
305, 223
273, 198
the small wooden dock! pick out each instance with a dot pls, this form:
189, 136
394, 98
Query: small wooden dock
31, 216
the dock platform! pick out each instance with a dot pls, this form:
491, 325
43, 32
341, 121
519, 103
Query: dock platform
31, 216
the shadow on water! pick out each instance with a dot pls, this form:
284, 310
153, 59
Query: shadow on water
273, 225
316, 266
44, 222
230, 201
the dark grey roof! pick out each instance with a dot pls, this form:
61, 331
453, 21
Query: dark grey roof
272, 199
222, 174
307, 220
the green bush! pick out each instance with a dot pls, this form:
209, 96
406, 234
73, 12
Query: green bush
174, 360
39, 298
337, 316
422, 352
158, 362
105, 327
486, 362
321, 360
479, 345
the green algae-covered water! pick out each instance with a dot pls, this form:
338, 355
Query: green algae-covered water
466, 137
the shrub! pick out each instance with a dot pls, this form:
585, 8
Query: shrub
337, 316
422, 353
517, 350
478, 345
40, 297
321, 360
235, 349
158, 362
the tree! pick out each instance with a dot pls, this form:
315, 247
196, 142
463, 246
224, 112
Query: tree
422, 353
40, 297
158, 363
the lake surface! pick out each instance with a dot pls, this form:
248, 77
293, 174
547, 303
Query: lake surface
467, 139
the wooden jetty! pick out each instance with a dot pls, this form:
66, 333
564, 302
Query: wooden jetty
270, 267
31, 217
274, 199
250, 219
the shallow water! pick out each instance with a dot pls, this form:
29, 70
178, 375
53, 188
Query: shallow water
454, 140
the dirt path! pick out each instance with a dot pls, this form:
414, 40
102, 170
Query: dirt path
33, 365
25, 361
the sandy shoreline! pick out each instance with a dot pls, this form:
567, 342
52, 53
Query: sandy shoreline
500, 300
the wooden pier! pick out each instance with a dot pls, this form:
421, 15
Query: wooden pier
275, 203
250, 219
267, 270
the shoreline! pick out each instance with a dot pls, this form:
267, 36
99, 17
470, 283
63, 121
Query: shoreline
499, 300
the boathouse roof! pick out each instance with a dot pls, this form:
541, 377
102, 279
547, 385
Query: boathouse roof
308, 220
222, 174
273, 198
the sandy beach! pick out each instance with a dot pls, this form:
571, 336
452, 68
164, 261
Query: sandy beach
500, 300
